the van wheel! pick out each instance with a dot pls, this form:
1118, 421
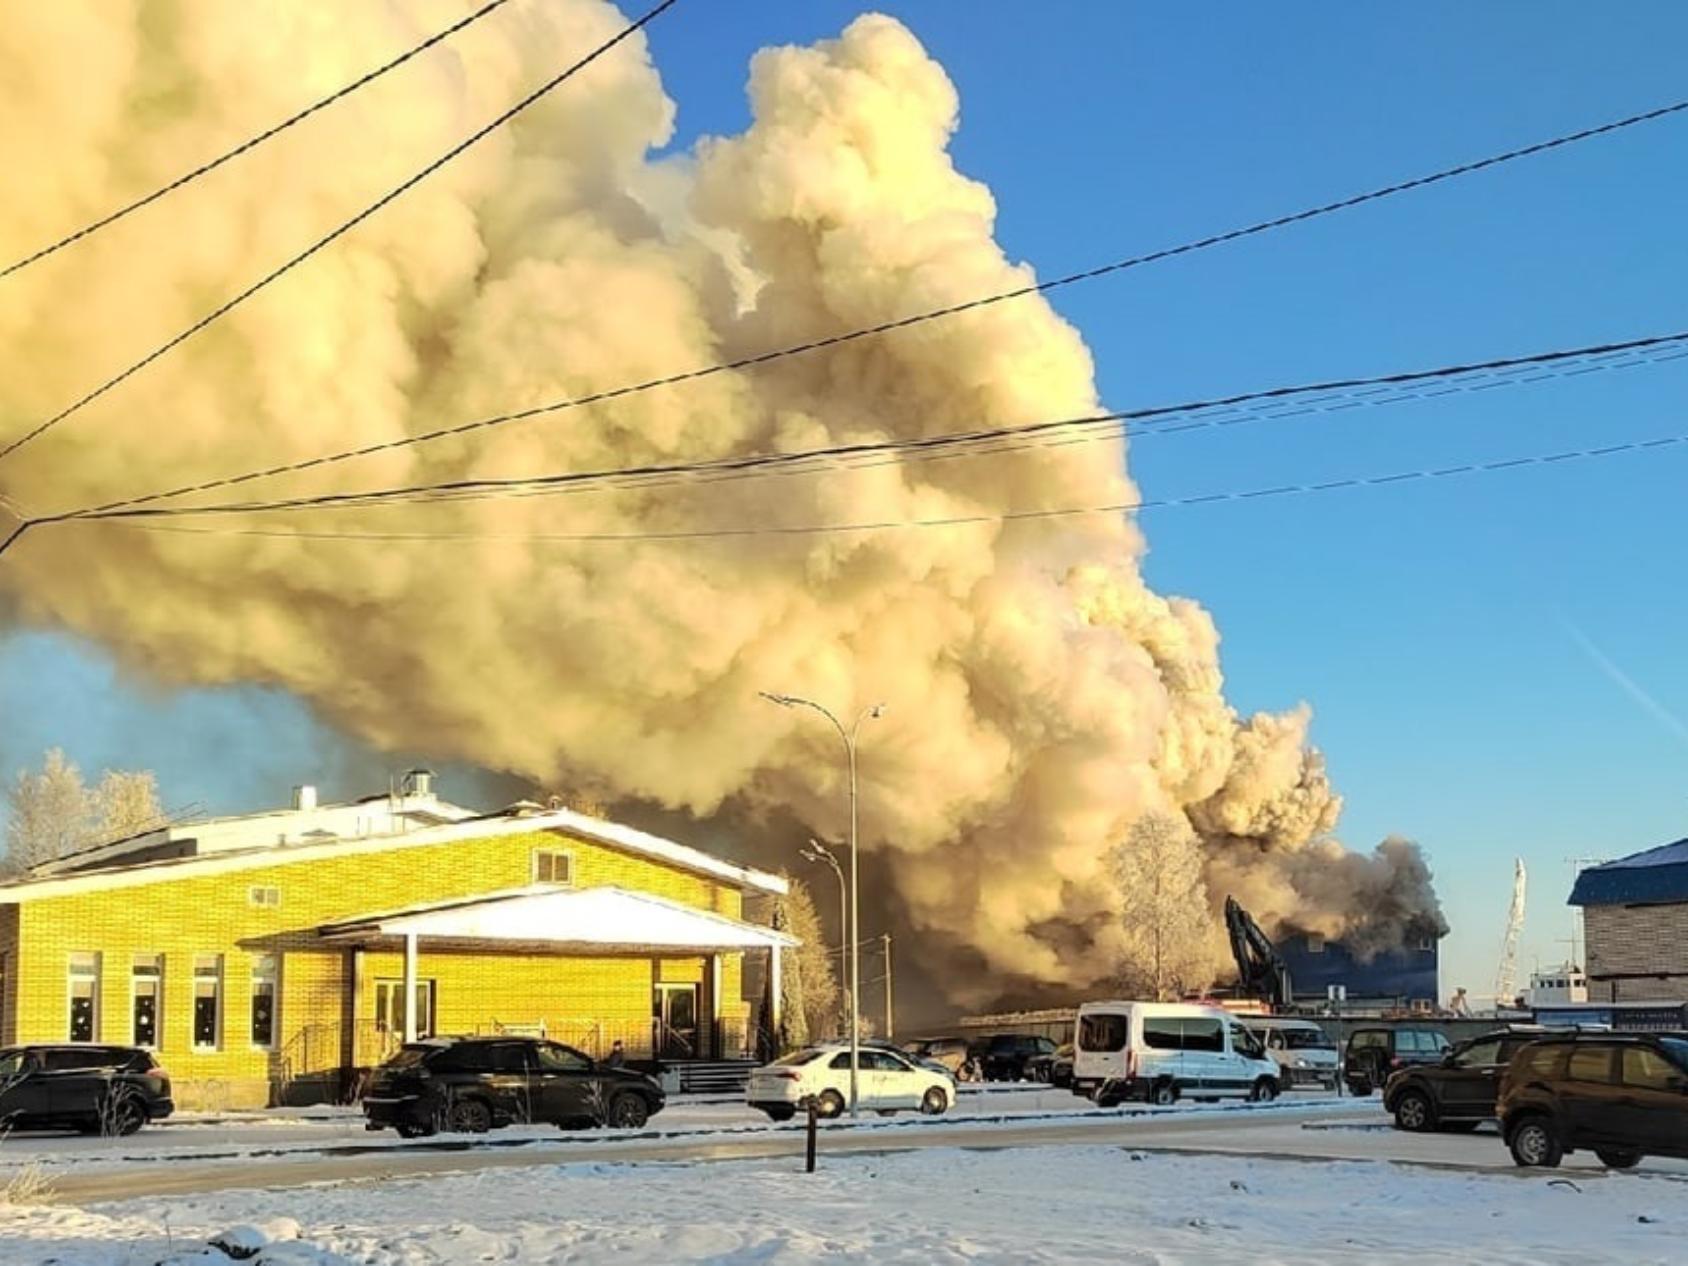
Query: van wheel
1263, 1091
1413, 1113
469, 1116
1618, 1157
934, 1102
1164, 1094
1535, 1145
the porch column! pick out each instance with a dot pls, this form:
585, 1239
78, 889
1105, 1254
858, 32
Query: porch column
774, 991
410, 986
715, 1051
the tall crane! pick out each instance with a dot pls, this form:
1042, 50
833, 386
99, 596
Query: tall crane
1506, 976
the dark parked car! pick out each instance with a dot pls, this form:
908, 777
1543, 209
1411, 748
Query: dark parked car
1054, 1066
472, 1085
1374, 1054
952, 1052
1625, 1095
95, 1089
1009, 1056
1462, 1090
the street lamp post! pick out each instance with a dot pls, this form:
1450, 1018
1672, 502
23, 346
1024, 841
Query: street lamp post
854, 934
818, 852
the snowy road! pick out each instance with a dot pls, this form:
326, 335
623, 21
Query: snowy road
180, 1160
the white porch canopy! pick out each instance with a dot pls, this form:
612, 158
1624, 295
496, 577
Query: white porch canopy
584, 920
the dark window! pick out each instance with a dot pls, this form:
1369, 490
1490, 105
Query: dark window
207, 1000
1481, 1054
882, 1062
1045, 1046
1368, 1038
1307, 1040
264, 972
408, 1056
842, 1060
1647, 1069
1542, 1061
12, 1064
70, 1059
1162, 1034
461, 1058
84, 996
506, 1057
147, 990
1204, 1035
563, 1059
1590, 1063
1102, 1033
1677, 1048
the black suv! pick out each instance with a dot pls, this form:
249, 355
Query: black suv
1462, 1090
1374, 1054
1010, 1056
95, 1089
1625, 1095
473, 1084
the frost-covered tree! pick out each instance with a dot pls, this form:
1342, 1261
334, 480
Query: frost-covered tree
794, 1021
1168, 929
812, 962
52, 812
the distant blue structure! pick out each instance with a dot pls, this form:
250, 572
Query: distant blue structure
1398, 977
1658, 876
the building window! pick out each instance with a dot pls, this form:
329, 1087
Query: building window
550, 867
84, 996
267, 896
266, 971
1315, 943
389, 1007
207, 1001
146, 993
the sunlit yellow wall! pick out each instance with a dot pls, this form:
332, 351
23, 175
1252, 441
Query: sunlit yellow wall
589, 1001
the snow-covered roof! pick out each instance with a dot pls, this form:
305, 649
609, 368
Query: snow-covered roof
559, 821
594, 918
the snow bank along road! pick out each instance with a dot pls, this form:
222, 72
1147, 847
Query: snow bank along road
941, 1205
1312, 1128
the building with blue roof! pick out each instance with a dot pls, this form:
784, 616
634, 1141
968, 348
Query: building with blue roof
1635, 918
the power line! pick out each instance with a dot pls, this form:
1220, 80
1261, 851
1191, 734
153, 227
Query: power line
339, 232
1330, 395
88, 230
962, 520
797, 349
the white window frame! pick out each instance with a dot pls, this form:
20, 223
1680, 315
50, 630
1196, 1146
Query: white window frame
271, 976
215, 975
553, 854
427, 1019
72, 976
156, 975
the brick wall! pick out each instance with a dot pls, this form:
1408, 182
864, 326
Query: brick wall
1647, 943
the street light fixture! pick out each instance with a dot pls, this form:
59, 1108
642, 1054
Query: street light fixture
854, 933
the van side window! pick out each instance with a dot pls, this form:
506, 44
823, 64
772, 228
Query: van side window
1162, 1035
1102, 1033
1590, 1063
1204, 1035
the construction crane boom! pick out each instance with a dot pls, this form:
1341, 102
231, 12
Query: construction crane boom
1506, 975
1260, 970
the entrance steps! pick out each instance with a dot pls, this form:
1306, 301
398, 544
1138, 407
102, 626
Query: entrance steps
714, 1077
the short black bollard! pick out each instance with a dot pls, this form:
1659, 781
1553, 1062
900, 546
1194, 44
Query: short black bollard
814, 1121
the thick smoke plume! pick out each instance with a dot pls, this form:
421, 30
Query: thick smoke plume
1041, 698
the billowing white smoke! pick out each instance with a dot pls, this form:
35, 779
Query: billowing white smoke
1041, 698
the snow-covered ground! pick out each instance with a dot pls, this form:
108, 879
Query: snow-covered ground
281, 1132
1052, 1204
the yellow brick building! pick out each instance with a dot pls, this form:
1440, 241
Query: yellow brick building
267, 958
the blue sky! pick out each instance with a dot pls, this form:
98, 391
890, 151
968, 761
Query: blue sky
1493, 662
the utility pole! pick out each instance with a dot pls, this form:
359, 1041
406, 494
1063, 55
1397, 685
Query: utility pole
890, 1012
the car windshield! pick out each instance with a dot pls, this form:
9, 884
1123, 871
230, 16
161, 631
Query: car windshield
11, 1063
798, 1057
1307, 1040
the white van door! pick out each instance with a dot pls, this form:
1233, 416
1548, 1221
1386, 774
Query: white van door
1100, 1046
1162, 1053
1209, 1066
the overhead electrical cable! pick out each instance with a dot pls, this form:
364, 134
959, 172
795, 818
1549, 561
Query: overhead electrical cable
834, 340
269, 133
344, 228
960, 520
1224, 411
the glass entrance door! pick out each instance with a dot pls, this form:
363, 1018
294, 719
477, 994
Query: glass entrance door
674, 1009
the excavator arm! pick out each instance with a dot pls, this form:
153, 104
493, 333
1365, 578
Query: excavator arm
1260, 970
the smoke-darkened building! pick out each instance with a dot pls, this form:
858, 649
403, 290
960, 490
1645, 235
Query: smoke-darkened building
1392, 978
1635, 919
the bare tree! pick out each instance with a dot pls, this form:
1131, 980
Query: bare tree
1168, 928
53, 812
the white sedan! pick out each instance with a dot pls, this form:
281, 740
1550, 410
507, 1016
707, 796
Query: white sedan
885, 1082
